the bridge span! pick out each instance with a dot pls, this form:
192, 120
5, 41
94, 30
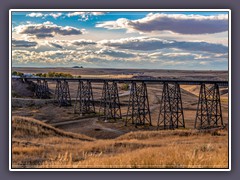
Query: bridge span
155, 80
171, 115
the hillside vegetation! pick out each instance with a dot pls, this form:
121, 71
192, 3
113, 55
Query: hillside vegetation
23, 127
38, 145
54, 74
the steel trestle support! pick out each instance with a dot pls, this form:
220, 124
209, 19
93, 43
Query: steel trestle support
209, 112
41, 89
138, 108
110, 105
171, 110
84, 103
62, 94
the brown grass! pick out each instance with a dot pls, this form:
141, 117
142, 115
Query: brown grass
29, 127
38, 145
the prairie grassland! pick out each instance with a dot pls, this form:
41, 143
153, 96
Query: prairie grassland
38, 145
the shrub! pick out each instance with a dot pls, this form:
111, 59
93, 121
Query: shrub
54, 74
15, 73
124, 87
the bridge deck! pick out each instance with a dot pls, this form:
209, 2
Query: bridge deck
184, 82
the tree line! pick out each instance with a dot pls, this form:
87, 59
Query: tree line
49, 74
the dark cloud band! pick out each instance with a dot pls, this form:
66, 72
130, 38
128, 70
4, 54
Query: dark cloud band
47, 30
83, 42
151, 44
176, 23
23, 43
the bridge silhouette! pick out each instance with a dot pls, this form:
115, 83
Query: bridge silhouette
171, 115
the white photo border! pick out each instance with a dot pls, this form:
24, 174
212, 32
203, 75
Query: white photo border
118, 10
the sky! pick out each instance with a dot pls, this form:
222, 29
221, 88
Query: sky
121, 39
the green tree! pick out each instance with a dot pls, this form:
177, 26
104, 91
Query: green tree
14, 73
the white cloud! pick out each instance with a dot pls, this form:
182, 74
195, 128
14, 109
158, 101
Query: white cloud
115, 53
48, 23
113, 58
38, 14
64, 56
175, 23
84, 16
203, 62
55, 15
35, 14
128, 52
76, 14
85, 13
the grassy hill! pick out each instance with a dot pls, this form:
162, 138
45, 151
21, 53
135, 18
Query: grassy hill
38, 145
23, 127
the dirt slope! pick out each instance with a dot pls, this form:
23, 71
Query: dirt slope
23, 127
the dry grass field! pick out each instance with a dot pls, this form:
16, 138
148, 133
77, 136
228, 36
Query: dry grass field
38, 145
47, 136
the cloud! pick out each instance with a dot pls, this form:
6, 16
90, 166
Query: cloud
55, 15
85, 13
151, 44
115, 53
135, 52
83, 42
46, 57
55, 45
35, 14
84, 16
46, 29
38, 14
23, 43
113, 58
48, 23
173, 55
203, 62
175, 23
185, 56
64, 55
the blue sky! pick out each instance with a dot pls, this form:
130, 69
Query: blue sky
153, 40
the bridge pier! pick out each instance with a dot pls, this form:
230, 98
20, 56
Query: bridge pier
62, 93
138, 108
171, 110
84, 103
110, 104
41, 89
209, 112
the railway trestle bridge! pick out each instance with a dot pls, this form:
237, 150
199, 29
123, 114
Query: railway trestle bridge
171, 114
